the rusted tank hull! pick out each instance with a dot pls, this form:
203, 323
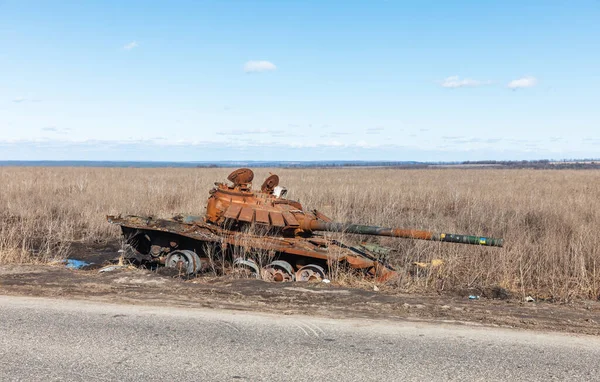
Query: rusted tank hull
154, 239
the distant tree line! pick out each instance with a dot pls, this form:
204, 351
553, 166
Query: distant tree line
540, 164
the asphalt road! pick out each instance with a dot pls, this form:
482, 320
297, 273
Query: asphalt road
50, 340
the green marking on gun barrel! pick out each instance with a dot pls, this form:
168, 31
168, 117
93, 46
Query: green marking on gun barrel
468, 239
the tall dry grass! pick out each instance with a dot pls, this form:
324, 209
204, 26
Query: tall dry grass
549, 219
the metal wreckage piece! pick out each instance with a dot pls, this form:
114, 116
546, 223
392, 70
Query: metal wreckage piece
263, 235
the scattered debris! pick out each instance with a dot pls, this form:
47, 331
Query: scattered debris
112, 268
75, 264
529, 299
375, 288
473, 297
326, 281
435, 263
322, 300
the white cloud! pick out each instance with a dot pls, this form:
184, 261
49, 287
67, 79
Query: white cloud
520, 83
259, 66
143, 144
262, 132
375, 130
131, 45
334, 134
56, 130
454, 82
19, 99
249, 131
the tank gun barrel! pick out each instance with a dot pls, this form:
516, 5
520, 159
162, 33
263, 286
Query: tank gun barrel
317, 225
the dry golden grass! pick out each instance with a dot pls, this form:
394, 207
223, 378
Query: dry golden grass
549, 219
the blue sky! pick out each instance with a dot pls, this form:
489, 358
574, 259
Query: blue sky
299, 80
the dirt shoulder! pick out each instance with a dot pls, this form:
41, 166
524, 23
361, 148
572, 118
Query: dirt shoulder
135, 286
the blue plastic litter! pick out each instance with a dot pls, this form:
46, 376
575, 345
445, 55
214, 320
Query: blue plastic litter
76, 264
472, 297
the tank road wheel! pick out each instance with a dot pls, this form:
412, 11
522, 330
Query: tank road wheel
246, 267
310, 272
278, 271
187, 262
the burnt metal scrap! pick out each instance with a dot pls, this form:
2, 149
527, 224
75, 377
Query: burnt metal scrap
264, 235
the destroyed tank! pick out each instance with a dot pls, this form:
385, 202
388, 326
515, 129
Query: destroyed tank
265, 235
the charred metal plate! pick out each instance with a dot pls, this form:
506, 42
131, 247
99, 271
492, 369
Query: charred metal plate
290, 219
262, 216
246, 215
233, 211
277, 219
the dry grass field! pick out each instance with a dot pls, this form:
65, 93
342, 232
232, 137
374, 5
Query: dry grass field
550, 220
